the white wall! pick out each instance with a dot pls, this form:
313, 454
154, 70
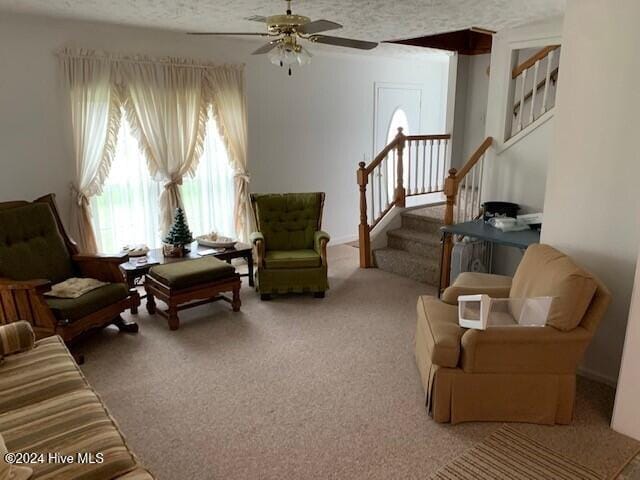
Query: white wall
307, 132
625, 413
472, 90
592, 206
516, 169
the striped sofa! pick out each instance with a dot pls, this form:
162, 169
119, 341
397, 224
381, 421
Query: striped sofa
47, 406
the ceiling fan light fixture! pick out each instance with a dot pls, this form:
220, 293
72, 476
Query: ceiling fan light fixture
288, 54
285, 31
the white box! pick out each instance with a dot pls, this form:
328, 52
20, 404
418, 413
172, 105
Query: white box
481, 311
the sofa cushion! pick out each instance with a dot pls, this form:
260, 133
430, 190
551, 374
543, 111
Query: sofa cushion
47, 418
438, 322
30, 377
288, 221
292, 259
192, 272
73, 309
544, 271
31, 246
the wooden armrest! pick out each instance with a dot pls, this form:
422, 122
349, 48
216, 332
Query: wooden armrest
24, 300
117, 258
101, 267
39, 285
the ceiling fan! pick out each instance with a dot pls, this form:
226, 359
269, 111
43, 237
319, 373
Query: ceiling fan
285, 32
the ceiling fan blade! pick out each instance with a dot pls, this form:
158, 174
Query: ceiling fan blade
318, 26
267, 47
229, 33
343, 42
257, 18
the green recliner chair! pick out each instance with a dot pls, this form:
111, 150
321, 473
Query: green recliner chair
35, 253
291, 250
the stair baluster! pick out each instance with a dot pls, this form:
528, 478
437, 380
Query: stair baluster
459, 181
390, 168
547, 78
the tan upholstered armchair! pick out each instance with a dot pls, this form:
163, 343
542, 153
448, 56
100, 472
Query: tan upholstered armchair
35, 252
510, 373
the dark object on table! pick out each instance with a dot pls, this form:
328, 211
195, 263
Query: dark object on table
36, 252
499, 209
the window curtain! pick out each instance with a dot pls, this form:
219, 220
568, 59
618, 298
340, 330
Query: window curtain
95, 120
127, 210
209, 196
229, 104
167, 111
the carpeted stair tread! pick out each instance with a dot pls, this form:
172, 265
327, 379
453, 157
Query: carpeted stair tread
415, 235
417, 267
425, 244
421, 222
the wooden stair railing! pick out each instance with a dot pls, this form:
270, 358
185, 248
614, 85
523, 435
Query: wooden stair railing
409, 165
521, 72
463, 189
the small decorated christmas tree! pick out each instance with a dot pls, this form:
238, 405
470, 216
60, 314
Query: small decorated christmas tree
179, 235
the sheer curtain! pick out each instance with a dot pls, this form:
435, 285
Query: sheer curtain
166, 109
94, 106
128, 210
228, 100
209, 196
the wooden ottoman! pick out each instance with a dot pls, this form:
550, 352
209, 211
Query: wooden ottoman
189, 284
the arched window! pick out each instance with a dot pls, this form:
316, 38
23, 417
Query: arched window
398, 119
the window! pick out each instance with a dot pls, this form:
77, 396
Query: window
398, 119
128, 210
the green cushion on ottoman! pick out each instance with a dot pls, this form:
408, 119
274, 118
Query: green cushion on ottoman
192, 272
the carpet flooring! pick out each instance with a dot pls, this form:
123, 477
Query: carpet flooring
304, 388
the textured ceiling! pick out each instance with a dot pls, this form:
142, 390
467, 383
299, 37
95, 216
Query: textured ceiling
365, 19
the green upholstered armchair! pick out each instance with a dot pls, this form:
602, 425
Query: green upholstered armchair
291, 250
35, 252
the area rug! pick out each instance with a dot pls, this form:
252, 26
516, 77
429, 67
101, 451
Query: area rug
508, 455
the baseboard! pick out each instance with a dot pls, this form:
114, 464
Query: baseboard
597, 377
343, 239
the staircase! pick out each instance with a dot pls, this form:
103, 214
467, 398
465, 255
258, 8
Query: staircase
413, 250
417, 166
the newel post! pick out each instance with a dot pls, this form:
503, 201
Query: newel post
450, 191
364, 239
400, 192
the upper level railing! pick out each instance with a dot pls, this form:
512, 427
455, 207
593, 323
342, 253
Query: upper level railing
409, 165
528, 85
